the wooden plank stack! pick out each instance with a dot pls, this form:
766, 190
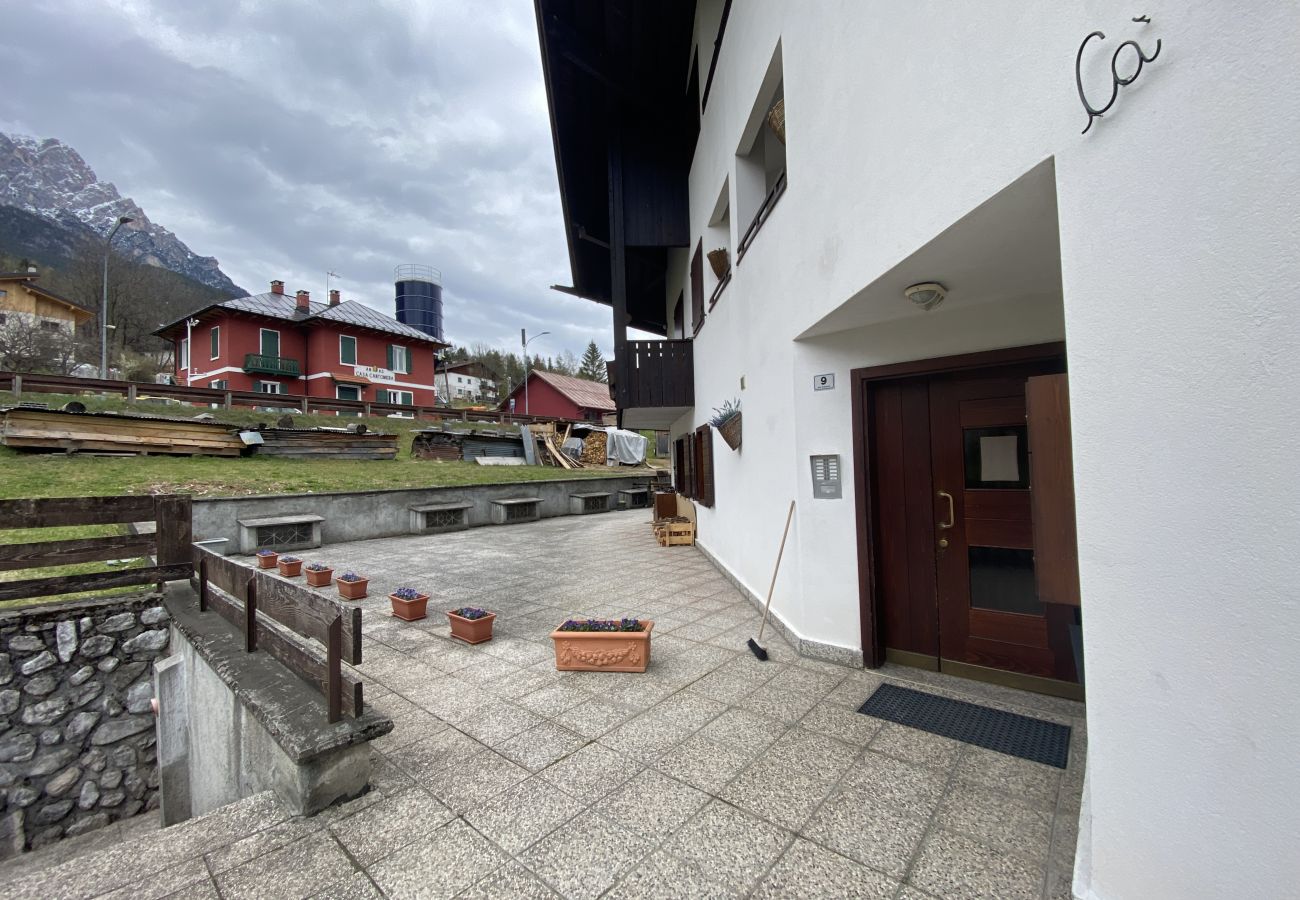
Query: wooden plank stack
326, 443
72, 432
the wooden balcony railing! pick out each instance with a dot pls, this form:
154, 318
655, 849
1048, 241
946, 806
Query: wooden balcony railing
650, 374
270, 365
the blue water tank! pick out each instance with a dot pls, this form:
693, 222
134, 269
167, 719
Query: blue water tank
419, 298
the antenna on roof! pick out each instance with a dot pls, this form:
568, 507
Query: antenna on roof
328, 276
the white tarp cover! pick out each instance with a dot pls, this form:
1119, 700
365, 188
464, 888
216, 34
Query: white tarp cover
626, 447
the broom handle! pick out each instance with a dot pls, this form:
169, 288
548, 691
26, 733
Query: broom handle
772, 587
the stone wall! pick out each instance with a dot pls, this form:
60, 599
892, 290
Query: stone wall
77, 739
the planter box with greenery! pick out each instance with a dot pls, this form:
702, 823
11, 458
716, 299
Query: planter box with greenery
471, 624
319, 574
351, 586
290, 566
266, 559
727, 421
602, 645
408, 604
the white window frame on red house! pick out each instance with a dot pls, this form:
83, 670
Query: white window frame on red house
340, 388
398, 353
261, 342
221, 384
400, 398
185, 353
275, 387
215, 341
342, 360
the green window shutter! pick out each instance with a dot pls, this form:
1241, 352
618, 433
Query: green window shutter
270, 343
407, 351
381, 395
347, 350
216, 342
391, 361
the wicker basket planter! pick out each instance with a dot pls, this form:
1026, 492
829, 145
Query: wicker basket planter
471, 631
776, 119
730, 431
603, 651
720, 261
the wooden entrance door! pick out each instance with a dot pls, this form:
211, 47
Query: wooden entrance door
990, 613
953, 520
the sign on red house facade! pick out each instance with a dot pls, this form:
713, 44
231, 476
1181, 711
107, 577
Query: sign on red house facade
274, 343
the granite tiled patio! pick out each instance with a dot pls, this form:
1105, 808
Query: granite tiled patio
712, 775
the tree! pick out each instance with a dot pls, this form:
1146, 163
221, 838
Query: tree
593, 364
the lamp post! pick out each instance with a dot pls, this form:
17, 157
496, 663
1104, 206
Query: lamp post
525, 340
103, 310
189, 350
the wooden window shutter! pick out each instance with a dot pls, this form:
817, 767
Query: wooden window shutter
391, 361
1051, 495
704, 441
697, 288
679, 470
381, 395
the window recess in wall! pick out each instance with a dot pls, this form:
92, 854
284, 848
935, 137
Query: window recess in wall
760, 157
693, 470
697, 289
718, 236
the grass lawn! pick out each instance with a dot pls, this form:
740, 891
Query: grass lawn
26, 474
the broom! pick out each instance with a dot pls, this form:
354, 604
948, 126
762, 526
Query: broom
754, 646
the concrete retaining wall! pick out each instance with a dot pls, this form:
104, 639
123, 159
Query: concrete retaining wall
77, 742
374, 514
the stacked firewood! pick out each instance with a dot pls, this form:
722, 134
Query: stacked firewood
593, 449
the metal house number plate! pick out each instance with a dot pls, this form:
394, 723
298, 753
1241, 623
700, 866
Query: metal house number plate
826, 476
824, 382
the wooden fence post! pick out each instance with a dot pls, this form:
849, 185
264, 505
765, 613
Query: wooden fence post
333, 670
18, 386
250, 616
131, 392
230, 400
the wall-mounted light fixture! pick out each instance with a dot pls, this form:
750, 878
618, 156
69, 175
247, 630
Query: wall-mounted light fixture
927, 295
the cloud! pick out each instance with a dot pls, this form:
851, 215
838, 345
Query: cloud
292, 138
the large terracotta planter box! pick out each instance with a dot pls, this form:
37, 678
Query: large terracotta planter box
603, 651
471, 631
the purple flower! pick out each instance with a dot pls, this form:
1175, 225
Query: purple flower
624, 624
470, 612
265, 552
289, 559
350, 576
317, 567
405, 593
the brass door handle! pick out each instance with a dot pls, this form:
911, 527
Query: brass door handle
952, 517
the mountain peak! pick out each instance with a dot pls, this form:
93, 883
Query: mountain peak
49, 178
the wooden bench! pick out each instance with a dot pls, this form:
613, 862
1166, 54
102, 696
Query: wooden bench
634, 498
247, 598
516, 509
435, 518
292, 532
168, 543
677, 530
589, 502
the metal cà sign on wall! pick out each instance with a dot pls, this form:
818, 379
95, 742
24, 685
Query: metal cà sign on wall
1117, 81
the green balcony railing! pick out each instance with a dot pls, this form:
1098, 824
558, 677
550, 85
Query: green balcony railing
256, 363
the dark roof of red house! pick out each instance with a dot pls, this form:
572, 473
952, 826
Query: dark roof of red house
583, 393
285, 306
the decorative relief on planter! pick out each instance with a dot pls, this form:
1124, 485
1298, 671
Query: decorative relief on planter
602, 651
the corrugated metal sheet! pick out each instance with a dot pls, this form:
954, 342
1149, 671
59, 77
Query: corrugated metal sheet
473, 447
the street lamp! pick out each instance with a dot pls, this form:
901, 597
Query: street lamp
526, 340
103, 310
189, 350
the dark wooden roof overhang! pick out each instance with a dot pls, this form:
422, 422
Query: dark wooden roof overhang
622, 100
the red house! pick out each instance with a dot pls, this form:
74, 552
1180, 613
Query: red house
561, 397
273, 343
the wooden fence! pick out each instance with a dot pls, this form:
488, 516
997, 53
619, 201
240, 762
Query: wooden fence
247, 599
19, 383
169, 545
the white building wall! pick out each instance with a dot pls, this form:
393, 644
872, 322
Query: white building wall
1178, 234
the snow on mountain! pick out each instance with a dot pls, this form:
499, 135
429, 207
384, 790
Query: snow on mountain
50, 179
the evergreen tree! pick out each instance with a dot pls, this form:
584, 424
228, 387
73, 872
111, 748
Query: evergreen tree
593, 364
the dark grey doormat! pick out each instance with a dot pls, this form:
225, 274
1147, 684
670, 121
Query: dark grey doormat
993, 729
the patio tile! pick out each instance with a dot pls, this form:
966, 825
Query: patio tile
423, 758
662, 876
652, 804
784, 706
440, 864
893, 779
585, 858
783, 795
915, 746
725, 686
293, 871
733, 846
377, 831
510, 882
524, 814
259, 844
499, 722
744, 730
1030, 782
798, 746
552, 700
704, 764
538, 747
385, 777
997, 820
472, 780
646, 737
875, 829
591, 772
842, 723
408, 729
357, 887
190, 877
953, 866
806, 870
593, 717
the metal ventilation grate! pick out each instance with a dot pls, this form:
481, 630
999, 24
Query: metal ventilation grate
293, 535
519, 512
444, 518
593, 504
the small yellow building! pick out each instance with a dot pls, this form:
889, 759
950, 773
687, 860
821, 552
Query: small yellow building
21, 298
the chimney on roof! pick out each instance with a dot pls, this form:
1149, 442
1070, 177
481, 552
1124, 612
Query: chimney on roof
334, 297
277, 287
304, 301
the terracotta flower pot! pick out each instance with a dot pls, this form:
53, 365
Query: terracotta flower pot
290, 569
352, 590
409, 610
267, 560
320, 577
603, 651
471, 631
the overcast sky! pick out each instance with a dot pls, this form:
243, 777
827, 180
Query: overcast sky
292, 137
